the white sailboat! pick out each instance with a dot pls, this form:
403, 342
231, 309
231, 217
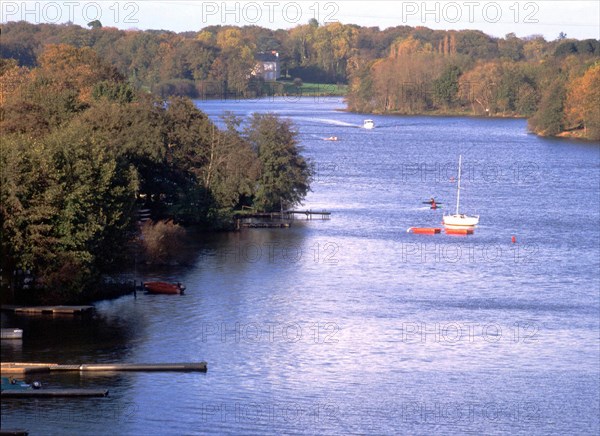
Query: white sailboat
460, 220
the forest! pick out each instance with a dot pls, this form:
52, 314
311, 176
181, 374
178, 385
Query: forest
402, 69
96, 123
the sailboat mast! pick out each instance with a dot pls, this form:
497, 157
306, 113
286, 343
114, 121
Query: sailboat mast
458, 190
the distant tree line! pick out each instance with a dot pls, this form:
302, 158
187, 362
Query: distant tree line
554, 84
83, 150
400, 69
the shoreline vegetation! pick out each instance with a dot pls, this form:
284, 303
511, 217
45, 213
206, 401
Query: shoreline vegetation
86, 158
99, 132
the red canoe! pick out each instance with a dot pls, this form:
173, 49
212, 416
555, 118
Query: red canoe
164, 288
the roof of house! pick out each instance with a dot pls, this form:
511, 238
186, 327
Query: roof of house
266, 57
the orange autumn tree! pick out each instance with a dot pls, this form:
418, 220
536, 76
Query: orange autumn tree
73, 68
37, 100
582, 109
402, 81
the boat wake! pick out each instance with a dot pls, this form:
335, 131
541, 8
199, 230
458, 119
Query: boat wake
327, 121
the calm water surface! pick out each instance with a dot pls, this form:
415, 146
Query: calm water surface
353, 325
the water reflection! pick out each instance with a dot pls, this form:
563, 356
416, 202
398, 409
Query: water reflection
353, 325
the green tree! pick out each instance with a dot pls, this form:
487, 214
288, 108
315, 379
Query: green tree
549, 118
285, 175
445, 89
230, 174
96, 24
66, 204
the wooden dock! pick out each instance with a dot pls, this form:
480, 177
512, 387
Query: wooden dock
265, 225
11, 334
49, 310
309, 214
13, 432
11, 368
53, 393
282, 219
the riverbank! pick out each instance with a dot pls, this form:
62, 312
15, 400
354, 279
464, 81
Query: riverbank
280, 88
441, 114
92, 294
578, 134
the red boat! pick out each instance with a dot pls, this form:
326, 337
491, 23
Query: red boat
164, 288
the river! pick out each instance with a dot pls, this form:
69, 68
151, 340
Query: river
352, 325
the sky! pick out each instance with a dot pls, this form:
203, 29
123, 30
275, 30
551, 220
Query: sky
578, 19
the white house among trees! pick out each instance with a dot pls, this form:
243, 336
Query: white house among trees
267, 66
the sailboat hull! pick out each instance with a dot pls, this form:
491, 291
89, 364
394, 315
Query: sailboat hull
460, 221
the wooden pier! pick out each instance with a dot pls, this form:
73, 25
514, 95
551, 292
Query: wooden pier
53, 393
49, 310
23, 368
309, 214
13, 432
31, 368
11, 334
282, 219
264, 225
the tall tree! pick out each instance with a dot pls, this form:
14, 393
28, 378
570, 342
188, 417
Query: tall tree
284, 174
549, 119
582, 106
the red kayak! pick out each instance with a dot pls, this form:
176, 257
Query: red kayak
164, 288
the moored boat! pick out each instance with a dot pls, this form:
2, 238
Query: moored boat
14, 388
460, 220
164, 288
13, 384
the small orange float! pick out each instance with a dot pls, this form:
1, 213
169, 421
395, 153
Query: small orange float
459, 231
424, 230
